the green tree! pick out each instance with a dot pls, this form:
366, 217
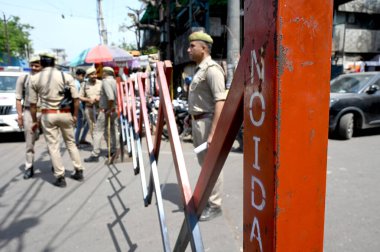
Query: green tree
128, 46
18, 38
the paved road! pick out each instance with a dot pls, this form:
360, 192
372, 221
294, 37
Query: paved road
106, 212
352, 220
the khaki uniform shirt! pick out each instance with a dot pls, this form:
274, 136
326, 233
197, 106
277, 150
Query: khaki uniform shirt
207, 87
108, 92
47, 86
90, 90
22, 89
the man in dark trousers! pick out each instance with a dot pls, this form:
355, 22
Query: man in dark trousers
82, 126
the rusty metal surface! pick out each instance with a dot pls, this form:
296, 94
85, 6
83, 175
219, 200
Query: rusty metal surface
285, 123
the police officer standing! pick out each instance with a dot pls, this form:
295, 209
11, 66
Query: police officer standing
89, 94
48, 85
207, 94
24, 117
82, 124
107, 113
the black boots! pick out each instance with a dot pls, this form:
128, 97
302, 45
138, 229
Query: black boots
210, 213
29, 173
78, 175
91, 159
60, 182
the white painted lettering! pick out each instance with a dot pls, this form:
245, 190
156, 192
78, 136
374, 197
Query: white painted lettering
256, 162
263, 193
256, 226
260, 69
262, 117
258, 202
252, 68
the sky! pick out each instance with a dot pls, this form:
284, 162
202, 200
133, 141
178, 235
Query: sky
71, 24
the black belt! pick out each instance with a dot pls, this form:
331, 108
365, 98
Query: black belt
201, 116
28, 108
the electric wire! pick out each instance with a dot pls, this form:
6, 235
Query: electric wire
45, 11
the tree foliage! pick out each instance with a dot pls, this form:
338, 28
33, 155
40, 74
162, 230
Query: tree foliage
18, 37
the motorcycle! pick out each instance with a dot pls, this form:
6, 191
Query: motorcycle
181, 111
180, 108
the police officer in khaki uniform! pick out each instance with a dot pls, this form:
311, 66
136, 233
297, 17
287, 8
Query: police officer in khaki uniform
107, 109
90, 94
207, 94
48, 85
24, 116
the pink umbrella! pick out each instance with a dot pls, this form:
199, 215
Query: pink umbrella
104, 53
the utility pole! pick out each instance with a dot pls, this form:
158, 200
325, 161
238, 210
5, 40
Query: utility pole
7, 39
101, 26
60, 54
233, 38
167, 28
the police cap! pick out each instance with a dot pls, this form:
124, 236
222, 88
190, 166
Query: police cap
47, 55
34, 58
200, 36
90, 71
108, 70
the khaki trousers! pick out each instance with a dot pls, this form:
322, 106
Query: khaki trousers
53, 125
91, 120
200, 130
101, 129
30, 139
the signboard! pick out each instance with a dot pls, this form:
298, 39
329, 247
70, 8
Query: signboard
363, 6
362, 41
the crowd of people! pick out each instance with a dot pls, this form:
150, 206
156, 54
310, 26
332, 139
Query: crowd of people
92, 104
93, 109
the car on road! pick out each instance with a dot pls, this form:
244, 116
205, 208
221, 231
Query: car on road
8, 112
354, 103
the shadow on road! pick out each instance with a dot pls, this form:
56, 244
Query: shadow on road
16, 231
116, 199
170, 192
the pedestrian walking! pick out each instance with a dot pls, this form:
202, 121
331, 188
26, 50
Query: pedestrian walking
24, 117
207, 94
48, 85
82, 123
107, 112
89, 94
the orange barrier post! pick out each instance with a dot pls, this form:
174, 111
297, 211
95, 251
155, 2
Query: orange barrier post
286, 109
284, 75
